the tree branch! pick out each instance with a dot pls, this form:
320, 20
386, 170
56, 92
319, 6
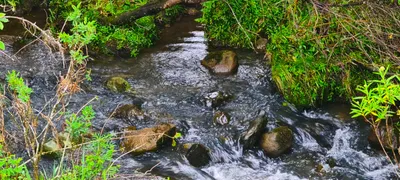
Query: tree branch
150, 8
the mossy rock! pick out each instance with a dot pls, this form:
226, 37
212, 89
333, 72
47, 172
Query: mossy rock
277, 142
118, 84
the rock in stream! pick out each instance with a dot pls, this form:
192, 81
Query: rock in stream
276, 142
221, 62
148, 139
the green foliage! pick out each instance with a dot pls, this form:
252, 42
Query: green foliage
169, 15
107, 38
17, 85
223, 26
83, 32
132, 38
2, 21
11, 168
13, 4
378, 98
95, 162
315, 52
79, 125
177, 136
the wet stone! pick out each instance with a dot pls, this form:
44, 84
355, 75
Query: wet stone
221, 118
148, 139
217, 98
252, 135
388, 137
129, 112
277, 142
221, 62
197, 154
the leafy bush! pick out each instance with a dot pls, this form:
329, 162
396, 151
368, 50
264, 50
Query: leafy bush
78, 126
17, 85
10, 166
377, 104
234, 23
378, 98
108, 38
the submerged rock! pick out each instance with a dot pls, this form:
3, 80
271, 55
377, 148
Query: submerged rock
221, 118
216, 98
251, 136
148, 139
129, 112
221, 62
276, 142
197, 154
118, 84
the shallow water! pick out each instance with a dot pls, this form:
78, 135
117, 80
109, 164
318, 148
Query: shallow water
170, 83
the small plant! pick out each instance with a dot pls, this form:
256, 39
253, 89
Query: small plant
378, 100
377, 104
177, 135
79, 125
16, 84
3, 19
96, 160
11, 168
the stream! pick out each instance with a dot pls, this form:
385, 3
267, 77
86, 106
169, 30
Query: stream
170, 85
169, 79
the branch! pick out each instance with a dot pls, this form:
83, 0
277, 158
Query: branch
150, 8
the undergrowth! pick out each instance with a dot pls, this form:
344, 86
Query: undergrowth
319, 50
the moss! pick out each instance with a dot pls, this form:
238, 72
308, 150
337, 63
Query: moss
284, 135
118, 84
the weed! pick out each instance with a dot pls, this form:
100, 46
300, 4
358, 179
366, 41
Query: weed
16, 84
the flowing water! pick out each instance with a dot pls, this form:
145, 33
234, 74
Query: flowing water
169, 80
170, 85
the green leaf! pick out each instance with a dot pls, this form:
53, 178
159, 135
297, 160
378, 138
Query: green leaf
177, 135
2, 46
3, 20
